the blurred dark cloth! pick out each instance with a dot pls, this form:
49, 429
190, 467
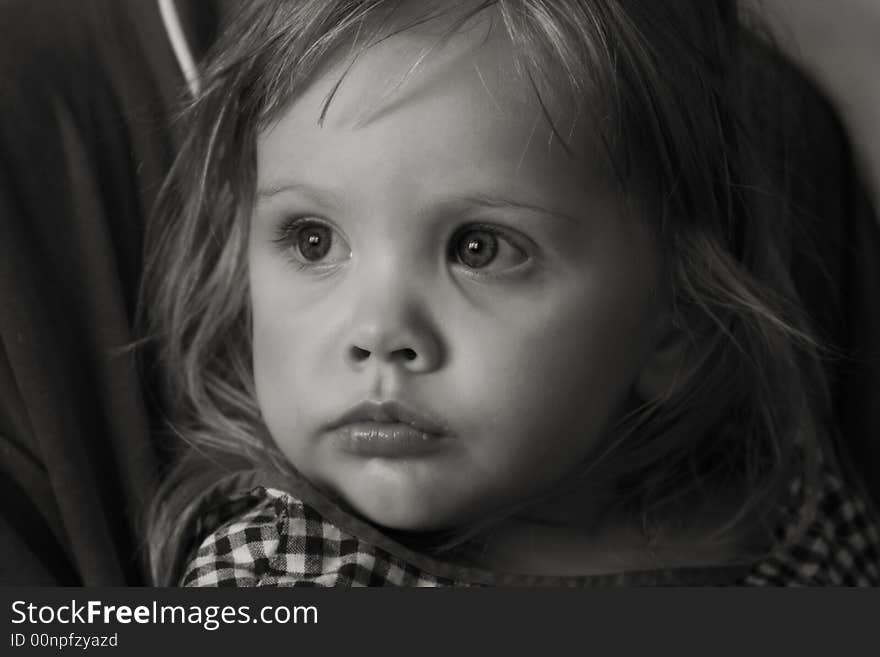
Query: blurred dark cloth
837, 268
86, 89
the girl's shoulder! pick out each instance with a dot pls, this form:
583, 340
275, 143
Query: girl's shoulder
279, 540
269, 537
838, 545
264, 536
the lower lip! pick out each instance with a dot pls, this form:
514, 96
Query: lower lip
387, 440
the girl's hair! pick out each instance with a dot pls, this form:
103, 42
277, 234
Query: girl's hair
678, 92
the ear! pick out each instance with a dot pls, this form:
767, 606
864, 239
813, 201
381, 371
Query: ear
668, 364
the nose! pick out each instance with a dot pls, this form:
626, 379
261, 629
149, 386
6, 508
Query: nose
394, 334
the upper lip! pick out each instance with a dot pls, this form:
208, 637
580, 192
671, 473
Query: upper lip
391, 412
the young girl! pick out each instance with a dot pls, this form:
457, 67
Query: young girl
489, 293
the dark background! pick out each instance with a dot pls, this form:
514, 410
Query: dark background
87, 91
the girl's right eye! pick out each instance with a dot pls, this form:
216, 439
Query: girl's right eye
312, 243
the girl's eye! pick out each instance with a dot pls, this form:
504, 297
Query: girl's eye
485, 248
312, 242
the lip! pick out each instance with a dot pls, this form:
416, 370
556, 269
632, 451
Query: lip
388, 429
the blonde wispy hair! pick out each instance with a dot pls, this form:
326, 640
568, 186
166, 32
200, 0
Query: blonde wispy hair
674, 90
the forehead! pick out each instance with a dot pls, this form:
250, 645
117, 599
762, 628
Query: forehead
460, 97
475, 64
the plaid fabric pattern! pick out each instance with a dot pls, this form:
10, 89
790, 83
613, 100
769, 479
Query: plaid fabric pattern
280, 541
841, 546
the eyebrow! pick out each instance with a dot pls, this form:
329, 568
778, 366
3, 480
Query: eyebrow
321, 196
329, 198
499, 202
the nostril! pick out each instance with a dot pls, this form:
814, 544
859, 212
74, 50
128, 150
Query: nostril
406, 354
358, 354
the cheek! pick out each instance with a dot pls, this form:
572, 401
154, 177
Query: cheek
555, 376
281, 351
277, 391
578, 351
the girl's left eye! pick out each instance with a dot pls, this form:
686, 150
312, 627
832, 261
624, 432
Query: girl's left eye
485, 249
312, 242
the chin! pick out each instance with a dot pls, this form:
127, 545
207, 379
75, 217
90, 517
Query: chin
399, 496
401, 517
401, 511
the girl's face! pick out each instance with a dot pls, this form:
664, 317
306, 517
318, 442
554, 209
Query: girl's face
448, 309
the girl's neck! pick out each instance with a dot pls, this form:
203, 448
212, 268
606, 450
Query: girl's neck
524, 547
566, 539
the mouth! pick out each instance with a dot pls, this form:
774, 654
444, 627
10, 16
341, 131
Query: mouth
389, 430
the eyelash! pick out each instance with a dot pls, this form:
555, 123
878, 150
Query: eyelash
288, 230
502, 234
285, 240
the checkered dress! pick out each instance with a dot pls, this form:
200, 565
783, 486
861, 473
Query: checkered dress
268, 537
